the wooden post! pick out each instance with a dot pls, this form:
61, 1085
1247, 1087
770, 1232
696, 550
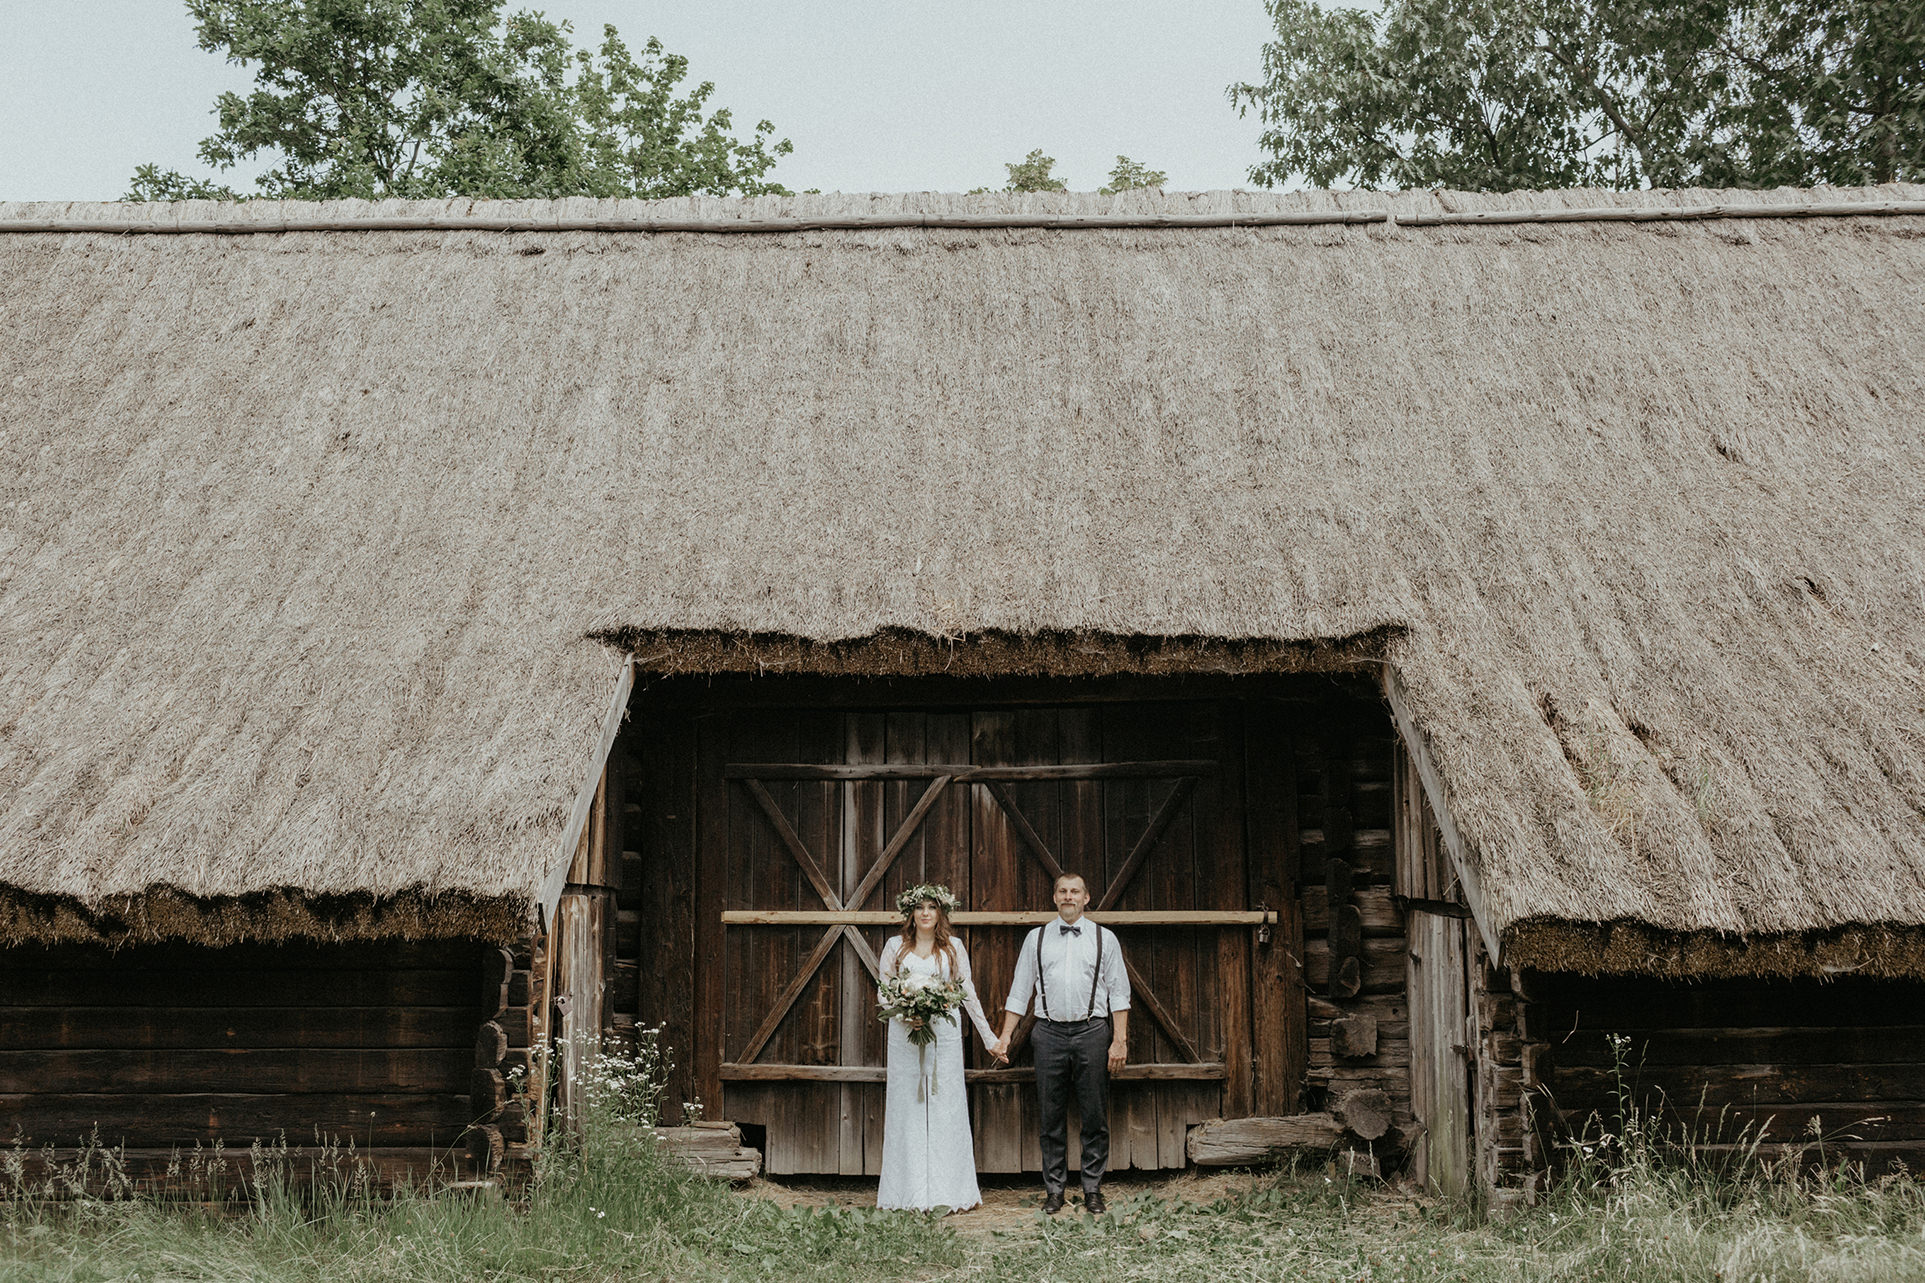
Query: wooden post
581, 935
578, 983
1439, 988
1222, 826
540, 1015
1278, 1013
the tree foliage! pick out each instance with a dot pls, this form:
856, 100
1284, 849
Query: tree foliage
1501, 94
1127, 175
1032, 174
434, 98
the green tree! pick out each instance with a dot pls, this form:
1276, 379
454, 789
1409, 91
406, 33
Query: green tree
434, 98
1499, 94
1032, 174
1127, 175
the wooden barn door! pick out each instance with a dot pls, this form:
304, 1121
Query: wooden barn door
809, 822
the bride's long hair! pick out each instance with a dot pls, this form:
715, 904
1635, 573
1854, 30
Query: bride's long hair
945, 941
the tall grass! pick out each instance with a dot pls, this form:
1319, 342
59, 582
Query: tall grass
1630, 1207
1641, 1223
608, 1205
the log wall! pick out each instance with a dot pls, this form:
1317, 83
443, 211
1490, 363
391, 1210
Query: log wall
1507, 1092
511, 1063
1726, 1062
165, 1046
1358, 1027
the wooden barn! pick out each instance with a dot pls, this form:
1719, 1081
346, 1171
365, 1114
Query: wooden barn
1473, 646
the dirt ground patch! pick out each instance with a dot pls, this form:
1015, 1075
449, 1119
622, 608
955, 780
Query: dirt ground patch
1009, 1202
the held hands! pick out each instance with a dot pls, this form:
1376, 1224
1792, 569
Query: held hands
1000, 1052
1118, 1054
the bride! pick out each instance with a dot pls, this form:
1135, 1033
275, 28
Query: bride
928, 1157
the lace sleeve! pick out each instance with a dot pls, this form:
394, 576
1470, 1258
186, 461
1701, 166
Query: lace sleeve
971, 1003
886, 964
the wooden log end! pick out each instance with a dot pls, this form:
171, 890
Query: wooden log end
518, 1024
512, 1119
486, 1148
487, 1092
1354, 1037
1347, 930
491, 1045
1496, 1011
1365, 1112
1346, 978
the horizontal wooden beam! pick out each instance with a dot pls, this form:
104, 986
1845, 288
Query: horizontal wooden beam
269, 221
242, 224
1019, 918
963, 773
1171, 1072
1243, 1142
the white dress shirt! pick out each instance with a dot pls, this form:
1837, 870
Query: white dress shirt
1069, 964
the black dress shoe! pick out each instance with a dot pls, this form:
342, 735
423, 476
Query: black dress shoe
1053, 1203
1093, 1202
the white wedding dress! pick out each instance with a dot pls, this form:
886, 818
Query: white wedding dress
928, 1155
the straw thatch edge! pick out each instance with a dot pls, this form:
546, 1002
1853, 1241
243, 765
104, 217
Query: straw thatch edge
1878, 951
859, 213
164, 913
902, 652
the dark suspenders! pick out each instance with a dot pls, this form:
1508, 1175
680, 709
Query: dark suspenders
1096, 976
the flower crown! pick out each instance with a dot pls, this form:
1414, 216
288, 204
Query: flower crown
940, 895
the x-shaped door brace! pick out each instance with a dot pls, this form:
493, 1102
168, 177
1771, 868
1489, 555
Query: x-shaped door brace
820, 881
1032, 840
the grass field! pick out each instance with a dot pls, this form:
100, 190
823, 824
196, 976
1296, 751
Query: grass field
616, 1209
619, 1212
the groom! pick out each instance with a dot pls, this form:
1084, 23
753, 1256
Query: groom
1074, 970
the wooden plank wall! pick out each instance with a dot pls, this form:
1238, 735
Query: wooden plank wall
164, 1046
1441, 1034
1353, 929
1724, 1062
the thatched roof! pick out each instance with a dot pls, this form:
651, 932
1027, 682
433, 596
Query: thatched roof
318, 549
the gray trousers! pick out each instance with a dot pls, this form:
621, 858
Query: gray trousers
1073, 1057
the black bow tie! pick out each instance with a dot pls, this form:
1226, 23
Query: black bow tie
1068, 930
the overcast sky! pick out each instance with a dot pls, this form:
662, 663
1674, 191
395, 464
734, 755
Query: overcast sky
876, 96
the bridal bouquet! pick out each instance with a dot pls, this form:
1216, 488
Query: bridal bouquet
913, 999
